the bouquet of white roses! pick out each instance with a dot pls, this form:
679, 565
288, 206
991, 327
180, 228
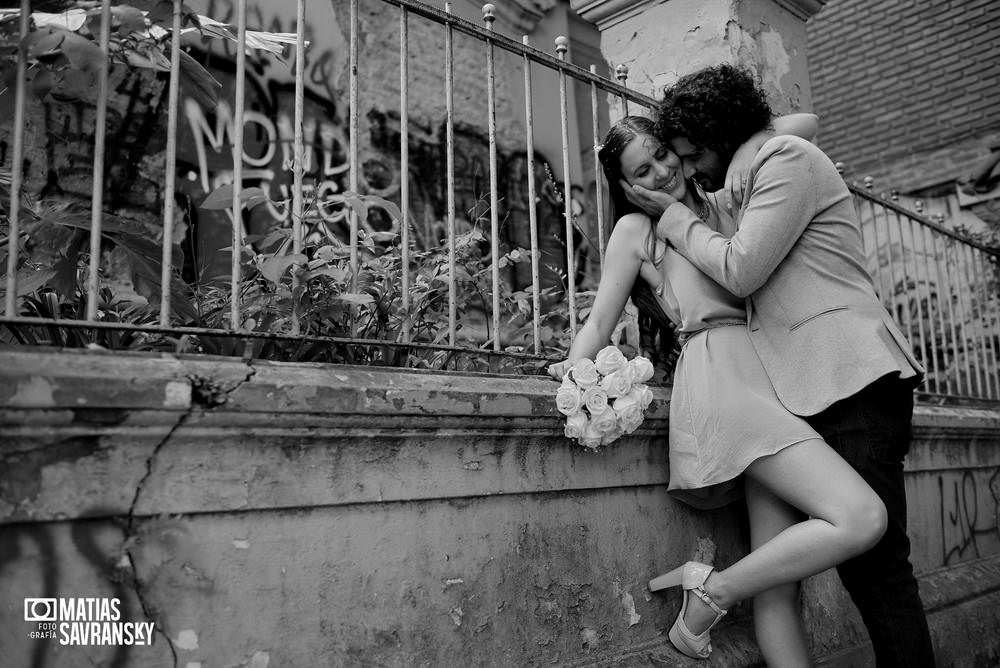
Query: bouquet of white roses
604, 398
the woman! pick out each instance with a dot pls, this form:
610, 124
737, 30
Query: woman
726, 424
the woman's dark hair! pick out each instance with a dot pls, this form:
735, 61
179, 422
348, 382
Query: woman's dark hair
657, 334
716, 108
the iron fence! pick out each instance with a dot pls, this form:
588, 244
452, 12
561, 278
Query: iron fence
941, 286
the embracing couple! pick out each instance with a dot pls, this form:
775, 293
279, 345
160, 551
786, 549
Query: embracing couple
793, 387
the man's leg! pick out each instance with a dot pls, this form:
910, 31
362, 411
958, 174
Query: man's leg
872, 431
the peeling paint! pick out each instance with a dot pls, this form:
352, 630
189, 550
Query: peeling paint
260, 660
177, 395
241, 544
36, 392
456, 615
187, 639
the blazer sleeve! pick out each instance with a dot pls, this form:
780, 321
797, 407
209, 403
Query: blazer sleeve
781, 204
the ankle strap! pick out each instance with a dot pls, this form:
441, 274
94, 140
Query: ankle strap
707, 598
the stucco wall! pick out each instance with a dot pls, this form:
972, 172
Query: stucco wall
296, 515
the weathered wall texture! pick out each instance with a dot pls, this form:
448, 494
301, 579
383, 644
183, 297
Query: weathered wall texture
295, 515
662, 41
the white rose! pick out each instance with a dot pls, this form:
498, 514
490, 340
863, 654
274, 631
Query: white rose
642, 369
629, 413
618, 383
591, 438
611, 436
569, 399
576, 424
584, 373
595, 399
643, 395
606, 421
609, 360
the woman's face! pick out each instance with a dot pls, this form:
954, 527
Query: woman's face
653, 166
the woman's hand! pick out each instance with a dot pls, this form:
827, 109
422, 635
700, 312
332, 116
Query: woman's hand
558, 369
653, 202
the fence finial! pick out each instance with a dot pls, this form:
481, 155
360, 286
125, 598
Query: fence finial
894, 195
869, 182
919, 205
562, 45
621, 73
841, 168
489, 14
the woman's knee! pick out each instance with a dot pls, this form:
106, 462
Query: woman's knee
867, 521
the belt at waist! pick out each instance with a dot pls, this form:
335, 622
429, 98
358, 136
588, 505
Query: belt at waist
684, 337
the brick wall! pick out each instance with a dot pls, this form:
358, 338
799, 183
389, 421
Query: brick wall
908, 92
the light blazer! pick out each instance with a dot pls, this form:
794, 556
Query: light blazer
797, 256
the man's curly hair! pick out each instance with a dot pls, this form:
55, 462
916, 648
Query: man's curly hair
717, 108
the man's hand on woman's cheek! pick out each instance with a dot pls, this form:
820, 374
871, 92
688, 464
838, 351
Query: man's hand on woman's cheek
653, 202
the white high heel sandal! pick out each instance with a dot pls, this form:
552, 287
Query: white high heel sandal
691, 576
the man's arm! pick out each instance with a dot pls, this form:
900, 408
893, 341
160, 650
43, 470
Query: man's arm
781, 204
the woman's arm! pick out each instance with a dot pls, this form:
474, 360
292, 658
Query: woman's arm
621, 270
801, 125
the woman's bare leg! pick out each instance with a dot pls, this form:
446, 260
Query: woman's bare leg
776, 619
845, 518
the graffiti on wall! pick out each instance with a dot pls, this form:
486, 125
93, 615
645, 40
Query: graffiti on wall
969, 515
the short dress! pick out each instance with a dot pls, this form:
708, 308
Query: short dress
724, 412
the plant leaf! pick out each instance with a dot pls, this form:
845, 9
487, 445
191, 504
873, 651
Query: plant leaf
273, 268
359, 298
222, 197
198, 83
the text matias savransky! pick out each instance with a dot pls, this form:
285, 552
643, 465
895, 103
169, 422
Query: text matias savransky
85, 622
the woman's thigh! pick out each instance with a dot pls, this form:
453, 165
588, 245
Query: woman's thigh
813, 478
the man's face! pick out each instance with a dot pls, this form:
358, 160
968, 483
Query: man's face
701, 164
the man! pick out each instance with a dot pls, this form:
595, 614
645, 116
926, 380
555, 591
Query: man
830, 348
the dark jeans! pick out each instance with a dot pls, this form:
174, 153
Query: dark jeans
872, 431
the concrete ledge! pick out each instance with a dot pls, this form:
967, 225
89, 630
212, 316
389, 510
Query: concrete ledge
378, 517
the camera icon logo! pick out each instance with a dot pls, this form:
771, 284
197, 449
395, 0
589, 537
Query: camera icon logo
40, 610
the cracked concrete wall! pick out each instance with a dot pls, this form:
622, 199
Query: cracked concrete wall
661, 41
296, 515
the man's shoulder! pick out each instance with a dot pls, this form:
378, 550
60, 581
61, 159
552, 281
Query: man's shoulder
788, 152
790, 146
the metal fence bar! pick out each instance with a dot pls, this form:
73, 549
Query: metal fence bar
170, 177
598, 179
237, 206
562, 45
17, 162
947, 312
353, 159
529, 122
906, 315
449, 96
877, 246
935, 307
975, 320
100, 138
621, 73
923, 311
992, 322
491, 120
959, 321
894, 286
298, 168
404, 172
